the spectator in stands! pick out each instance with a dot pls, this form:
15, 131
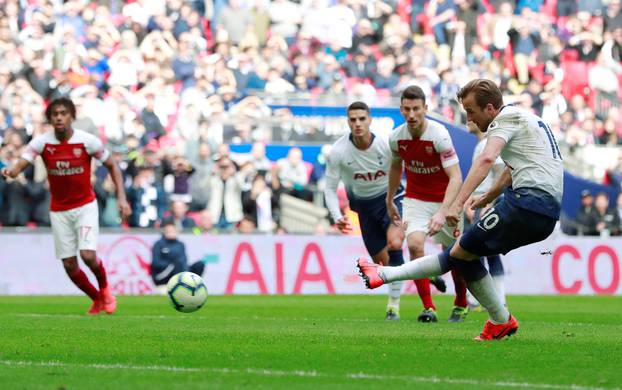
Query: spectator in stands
291, 175
612, 50
612, 18
246, 225
153, 126
499, 26
361, 66
615, 175
235, 19
225, 204
584, 216
204, 223
183, 64
181, 174
604, 221
524, 38
199, 181
440, 13
169, 256
385, 77
566, 7
619, 205
16, 207
147, 199
178, 213
258, 159
109, 212
257, 204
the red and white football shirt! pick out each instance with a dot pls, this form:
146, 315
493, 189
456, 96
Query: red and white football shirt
424, 160
68, 165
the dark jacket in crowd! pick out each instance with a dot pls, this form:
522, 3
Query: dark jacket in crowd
169, 258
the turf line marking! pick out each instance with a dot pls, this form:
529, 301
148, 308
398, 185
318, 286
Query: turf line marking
236, 318
49, 315
303, 374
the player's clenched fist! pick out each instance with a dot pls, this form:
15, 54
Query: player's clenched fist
9, 173
344, 225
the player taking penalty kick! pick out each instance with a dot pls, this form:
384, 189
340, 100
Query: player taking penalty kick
532, 183
67, 154
361, 160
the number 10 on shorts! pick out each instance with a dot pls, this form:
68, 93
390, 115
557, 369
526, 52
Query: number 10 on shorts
489, 220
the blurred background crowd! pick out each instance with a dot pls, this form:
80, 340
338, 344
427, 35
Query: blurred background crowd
168, 85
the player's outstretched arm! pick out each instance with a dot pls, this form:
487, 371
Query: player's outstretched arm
504, 180
478, 172
395, 177
333, 176
15, 170
455, 180
117, 178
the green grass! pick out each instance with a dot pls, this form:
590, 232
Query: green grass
304, 342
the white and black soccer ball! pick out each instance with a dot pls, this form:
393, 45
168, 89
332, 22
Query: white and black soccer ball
187, 292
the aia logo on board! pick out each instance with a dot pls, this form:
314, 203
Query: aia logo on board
127, 261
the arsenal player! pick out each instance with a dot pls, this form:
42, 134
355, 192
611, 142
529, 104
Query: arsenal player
425, 151
67, 154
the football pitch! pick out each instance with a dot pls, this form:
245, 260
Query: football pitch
307, 342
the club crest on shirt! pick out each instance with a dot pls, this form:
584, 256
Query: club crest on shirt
77, 152
429, 149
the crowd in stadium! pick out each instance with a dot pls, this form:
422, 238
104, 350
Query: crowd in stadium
167, 84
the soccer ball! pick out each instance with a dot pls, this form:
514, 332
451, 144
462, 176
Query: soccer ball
187, 292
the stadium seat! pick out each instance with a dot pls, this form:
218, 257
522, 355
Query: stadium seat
550, 8
576, 79
568, 55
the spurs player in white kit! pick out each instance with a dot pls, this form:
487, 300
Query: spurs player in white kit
532, 182
361, 159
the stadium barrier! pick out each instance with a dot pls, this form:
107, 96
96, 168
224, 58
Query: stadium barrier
305, 264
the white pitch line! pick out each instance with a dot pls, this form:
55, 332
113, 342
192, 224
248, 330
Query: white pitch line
304, 374
237, 318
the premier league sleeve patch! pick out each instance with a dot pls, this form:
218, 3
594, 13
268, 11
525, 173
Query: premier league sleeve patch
493, 125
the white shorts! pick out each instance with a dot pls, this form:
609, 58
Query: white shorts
417, 213
75, 229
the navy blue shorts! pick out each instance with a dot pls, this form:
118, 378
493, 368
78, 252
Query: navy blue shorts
505, 227
374, 221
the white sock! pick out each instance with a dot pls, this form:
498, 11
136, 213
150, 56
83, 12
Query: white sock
485, 292
498, 281
395, 291
471, 299
422, 267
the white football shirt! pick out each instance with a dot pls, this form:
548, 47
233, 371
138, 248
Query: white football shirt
530, 151
365, 173
489, 179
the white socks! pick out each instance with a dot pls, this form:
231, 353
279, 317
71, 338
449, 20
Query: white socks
395, 291
486, 293
422, 267
498, 281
